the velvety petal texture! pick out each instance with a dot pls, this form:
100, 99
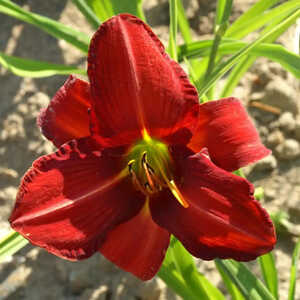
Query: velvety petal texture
135, 85
137, 246
223, 220
225, 128
69, 200
105, 190
67, 117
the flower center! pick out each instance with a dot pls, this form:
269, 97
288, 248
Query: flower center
151, 169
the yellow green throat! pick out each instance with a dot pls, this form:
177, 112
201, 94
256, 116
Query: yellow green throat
151, 169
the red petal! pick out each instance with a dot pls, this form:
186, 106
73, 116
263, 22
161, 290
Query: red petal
225, 129
66, 117
223, 219
70, 199
135, 84
137, 246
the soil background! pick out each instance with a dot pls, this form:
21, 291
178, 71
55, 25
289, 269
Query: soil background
33, 274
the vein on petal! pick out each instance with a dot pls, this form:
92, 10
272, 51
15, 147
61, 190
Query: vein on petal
135, 79
72, 202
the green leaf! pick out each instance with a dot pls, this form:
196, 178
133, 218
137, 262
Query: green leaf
183, 23
172, 48
172, 277
236, 74
223, 12
196, 282
275, 52
220, 12
256, 10
186, 34
105, 9
260, 20
241, 68
87, 12
231, 287
227, 65
54, 28
192, 74
10, 244
293, 278
33, 68
269, 272
248, 284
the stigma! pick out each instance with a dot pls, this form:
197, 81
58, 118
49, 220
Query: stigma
151, 169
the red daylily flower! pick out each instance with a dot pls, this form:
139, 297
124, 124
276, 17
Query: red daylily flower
147, 161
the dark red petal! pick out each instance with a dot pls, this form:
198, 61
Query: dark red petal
137, 246
66, 117
136, 85
223, 220
225, 129
70, 199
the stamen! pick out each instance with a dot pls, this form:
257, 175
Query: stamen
151, 177
149, 189
135, 181
160, 182
146, 169
176, 193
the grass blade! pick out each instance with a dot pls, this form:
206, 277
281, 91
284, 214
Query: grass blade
295, 259
171, 276
256, 21
241, 68
102, 9
33, 68
269, 272
54, 28
275, 52
183, 23
223, 13
226, 66
219, 32
231, 287
87, 12
10, 244
186, 33
248, 284
257, 9
236, 74
105, 9
197, 283
172, 48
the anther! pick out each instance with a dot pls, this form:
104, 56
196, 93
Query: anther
148, 175
160, 182
154, 182
149, 189
135, 181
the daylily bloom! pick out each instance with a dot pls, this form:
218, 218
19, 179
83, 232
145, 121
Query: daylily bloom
139, 159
